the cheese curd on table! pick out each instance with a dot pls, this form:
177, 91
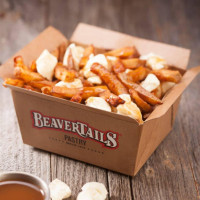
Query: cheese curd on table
154, 61
98, 102
45, 64
59, 190
93, 191
77, 53
77, 83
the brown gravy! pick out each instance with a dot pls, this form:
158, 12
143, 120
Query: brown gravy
18, 190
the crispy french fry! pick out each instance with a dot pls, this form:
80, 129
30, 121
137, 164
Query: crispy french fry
29, 87
33, 66
15, 82
110, 79
118, 67
48, 90
138, 74
27, 75
133, 63
77, 97
168, 75
63, 74
62, 48
111, 98
88, 50
144, 94
157, 92
19, 62
123, 52
144, 106
70, 92
41, 84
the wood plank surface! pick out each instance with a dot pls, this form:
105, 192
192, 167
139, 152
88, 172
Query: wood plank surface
173, 171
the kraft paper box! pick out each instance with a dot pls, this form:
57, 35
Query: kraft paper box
87, 134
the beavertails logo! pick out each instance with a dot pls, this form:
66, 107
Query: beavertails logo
108, 139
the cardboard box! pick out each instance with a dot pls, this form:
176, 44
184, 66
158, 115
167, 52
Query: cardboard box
87, 134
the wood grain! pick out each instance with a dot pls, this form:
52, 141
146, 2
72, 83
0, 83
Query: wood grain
173, 171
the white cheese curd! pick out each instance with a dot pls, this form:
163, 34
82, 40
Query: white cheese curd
59, 190
154, 61
100, 58
128, 70
77, 83
77, 54
111, 58
125, 97
98, 102
129, 108
150, 83
45, 64
93, 191
95, 80
165, 86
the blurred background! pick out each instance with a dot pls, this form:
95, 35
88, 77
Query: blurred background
173, 21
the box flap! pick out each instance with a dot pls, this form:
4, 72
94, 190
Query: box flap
103, 38
48, 39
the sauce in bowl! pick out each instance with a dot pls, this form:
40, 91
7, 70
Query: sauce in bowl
19, 190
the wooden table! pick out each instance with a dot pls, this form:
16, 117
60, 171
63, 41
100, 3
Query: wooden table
173, 171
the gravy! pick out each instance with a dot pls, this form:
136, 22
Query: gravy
18, 190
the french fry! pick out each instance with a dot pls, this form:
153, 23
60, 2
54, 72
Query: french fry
124, 52
62, 48
77, 97
33, 66
41, 84
138, 74
70, 92
110, 79
157, 92
88, 50
144, 106
118, 67
29, 87
144, 94
14, 82
133, 63
111, 98
27, 75
19, 62
48, 90
63, 74
168, 75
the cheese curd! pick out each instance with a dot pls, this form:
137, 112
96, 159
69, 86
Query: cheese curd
93, 191
165, 86
45, 64
99, 103
129, 108
77, 53
154, 61
59, 190
101, 59
95, 80
77, 83
150, 83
